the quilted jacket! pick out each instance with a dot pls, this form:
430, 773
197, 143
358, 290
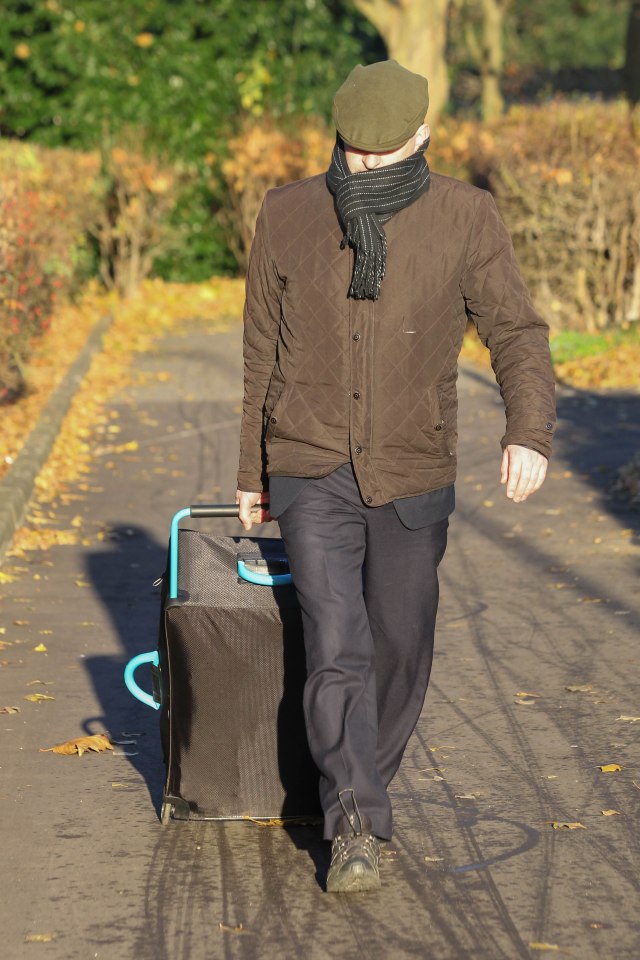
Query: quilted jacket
328, 378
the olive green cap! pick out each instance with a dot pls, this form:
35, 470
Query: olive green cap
379, 107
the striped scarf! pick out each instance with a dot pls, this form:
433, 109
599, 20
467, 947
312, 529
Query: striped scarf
365, 202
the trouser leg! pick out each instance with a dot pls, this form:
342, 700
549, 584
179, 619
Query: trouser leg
401, 596
324, 531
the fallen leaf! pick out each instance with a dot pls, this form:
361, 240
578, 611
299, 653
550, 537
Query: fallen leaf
32, 683
40, 648
81, 583
45, 631
610, 767
524, 701
610, 813
39, 937
98, 742
434, 859
487, 503
21, 623
77, 521
580, 688
560, 824
465, 796
9, 709
37, 697
544, 946
5, 643
224, 926
628, 719
523, 693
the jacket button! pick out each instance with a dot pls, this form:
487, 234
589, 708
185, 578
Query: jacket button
369, 499
356, 395
358, 449
438, 426
549, 425
356, 336
273, 419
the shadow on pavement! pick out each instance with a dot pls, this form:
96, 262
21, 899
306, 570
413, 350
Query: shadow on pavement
123, 578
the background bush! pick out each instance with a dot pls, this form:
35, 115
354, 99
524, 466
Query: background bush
48, 199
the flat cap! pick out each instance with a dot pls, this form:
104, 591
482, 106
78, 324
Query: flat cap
379, 107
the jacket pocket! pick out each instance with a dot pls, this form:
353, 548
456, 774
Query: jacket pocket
272, 417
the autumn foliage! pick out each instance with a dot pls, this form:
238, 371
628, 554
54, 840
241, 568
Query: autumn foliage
47, 200
566, 177
264, 155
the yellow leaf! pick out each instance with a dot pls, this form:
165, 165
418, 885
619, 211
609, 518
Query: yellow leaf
523, 693
628, 719
21, 623
37, 697
39, 937
580, 688
98, 742
81, 583
144, 39
525, 701
567, 825
544, 946
77, 521
610, 813
45, 631
610, 767
40, 648
487, 503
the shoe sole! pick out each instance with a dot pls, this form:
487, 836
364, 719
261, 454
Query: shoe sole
355, 881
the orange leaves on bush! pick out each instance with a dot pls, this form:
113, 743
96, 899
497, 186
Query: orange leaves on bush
263, 156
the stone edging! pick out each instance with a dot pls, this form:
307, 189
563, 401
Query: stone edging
16, 488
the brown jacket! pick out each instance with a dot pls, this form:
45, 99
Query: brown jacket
328, 378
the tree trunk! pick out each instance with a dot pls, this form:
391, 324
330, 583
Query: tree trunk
632, 59
415, 34
492, 55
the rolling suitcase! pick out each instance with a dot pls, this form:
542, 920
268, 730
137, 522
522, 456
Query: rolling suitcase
228, 677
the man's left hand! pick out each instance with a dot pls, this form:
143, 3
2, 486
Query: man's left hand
523, 470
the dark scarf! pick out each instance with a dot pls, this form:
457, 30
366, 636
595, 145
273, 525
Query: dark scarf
366, 201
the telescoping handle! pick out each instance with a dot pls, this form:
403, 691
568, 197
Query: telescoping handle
200, 511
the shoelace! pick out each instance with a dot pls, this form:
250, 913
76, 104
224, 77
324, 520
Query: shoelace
345, 846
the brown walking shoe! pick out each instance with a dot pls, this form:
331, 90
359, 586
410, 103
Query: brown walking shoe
355, 855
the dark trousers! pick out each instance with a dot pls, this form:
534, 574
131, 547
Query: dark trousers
368, 651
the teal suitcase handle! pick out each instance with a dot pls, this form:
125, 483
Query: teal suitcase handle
130, 681
263, 579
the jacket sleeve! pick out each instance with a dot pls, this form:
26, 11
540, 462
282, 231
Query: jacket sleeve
498, 302
261, 326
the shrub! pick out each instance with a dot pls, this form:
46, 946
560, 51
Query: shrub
132, 227
566, 177
261, 156
47, 199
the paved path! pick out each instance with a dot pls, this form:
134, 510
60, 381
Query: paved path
535, 598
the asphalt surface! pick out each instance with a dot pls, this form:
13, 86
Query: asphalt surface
536, 597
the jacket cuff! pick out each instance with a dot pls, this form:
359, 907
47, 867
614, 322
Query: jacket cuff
247, 484
535, 438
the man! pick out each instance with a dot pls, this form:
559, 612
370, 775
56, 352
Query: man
359, 288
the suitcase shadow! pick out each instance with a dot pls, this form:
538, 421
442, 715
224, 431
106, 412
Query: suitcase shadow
123, 577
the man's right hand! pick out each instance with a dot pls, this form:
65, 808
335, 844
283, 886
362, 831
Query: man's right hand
248, 515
